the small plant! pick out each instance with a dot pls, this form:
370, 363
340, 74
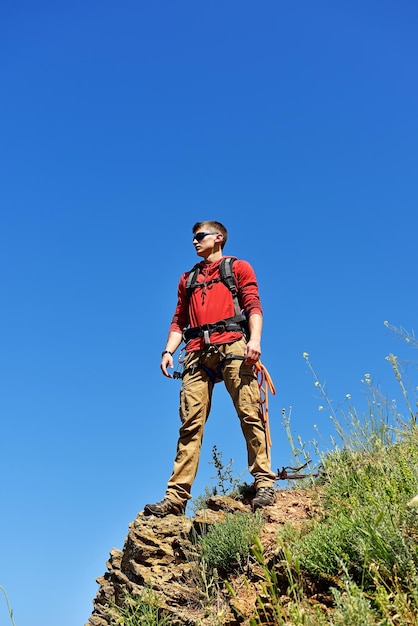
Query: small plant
353, 607
226, 481
299, 452
200, 502
140, 610
227, 545
8, 605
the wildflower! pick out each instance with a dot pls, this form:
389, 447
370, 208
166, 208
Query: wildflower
386, 323
320, 408
348, 396
305, 355
413, 502
316, 383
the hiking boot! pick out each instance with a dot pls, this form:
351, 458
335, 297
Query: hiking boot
163, 508
263, 497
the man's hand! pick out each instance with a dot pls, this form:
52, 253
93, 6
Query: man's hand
173, 342
252, 352
253, 349
166, 361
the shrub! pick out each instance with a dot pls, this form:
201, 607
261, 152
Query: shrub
228, 544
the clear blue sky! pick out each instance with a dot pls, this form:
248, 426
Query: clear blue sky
123, 123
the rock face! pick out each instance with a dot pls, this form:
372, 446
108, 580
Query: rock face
160, 554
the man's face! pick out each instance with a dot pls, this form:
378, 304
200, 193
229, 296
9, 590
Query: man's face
204, 241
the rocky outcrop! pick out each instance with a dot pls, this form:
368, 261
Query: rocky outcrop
160, 554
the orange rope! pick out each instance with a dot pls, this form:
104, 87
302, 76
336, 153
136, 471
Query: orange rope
265, 384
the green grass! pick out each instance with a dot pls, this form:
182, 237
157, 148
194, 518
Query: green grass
365, 514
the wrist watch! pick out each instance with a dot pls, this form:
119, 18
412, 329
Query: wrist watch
166, 352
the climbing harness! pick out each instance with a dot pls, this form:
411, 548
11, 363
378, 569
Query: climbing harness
214, 375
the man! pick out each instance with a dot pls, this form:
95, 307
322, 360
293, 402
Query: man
220, 345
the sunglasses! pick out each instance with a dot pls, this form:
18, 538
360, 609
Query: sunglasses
200, 236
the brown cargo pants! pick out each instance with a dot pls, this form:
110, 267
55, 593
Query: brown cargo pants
195, 403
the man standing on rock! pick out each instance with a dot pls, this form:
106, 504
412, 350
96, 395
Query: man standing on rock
222, 343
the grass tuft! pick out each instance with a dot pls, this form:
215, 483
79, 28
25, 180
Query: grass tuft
227, 545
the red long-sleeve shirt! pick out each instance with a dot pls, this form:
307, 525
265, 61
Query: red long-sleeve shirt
214, 302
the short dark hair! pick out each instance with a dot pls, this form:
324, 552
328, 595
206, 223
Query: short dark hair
220, 228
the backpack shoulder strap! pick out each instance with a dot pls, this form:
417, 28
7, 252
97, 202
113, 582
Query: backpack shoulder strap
192, 279
228, 278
